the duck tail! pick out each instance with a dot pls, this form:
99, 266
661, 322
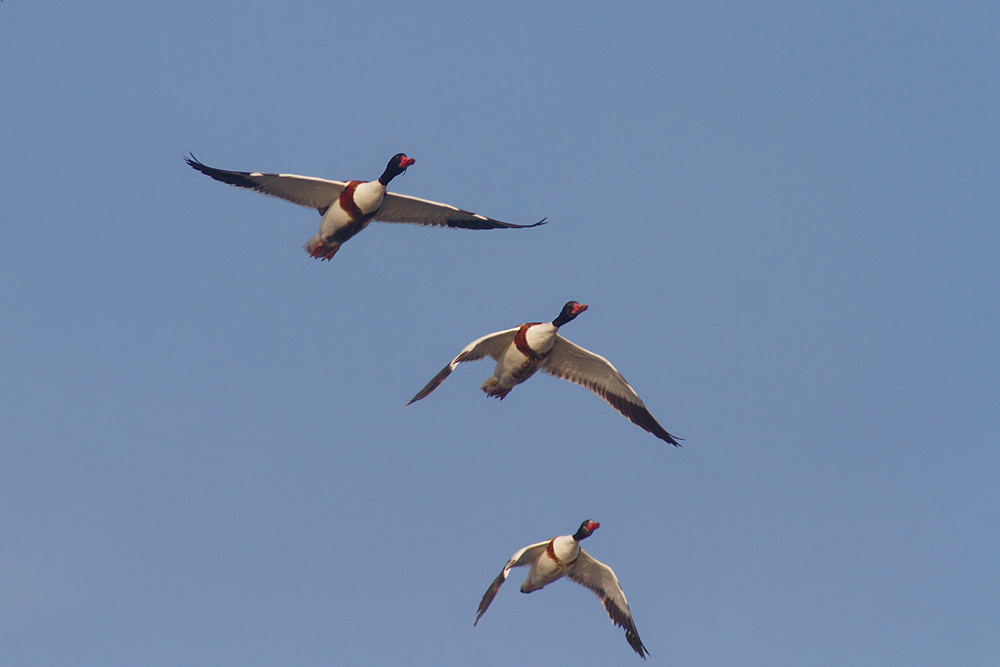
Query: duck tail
319, 249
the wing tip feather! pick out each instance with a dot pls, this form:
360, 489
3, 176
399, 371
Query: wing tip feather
432, 385
636, 413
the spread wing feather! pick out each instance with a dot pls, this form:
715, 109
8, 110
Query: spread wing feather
491, 345
525, 556
601, 579
307, 191
413, 210
571, 362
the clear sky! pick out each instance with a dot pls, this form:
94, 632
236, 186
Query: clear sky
784, 218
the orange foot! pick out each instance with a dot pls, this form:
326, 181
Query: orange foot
324, 252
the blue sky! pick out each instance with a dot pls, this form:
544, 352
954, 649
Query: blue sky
783, 217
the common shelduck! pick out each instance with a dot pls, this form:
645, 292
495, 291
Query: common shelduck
522, 351
347, 208
562, 557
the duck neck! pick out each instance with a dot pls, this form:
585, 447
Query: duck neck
562, 319
387, 176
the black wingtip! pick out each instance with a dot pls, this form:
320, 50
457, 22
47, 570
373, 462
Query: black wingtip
632, 637
672, 439
637, 414
433, 384
510, 225
419, 395
195, 163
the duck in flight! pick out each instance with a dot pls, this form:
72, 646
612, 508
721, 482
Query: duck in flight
348, 207
562, 557
522, 351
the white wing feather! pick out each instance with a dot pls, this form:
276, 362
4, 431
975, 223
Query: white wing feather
307, 191
601, 579
525, 556
571, 362
491, 345
413, 210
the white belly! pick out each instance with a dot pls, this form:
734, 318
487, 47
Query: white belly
513, 367
552, 564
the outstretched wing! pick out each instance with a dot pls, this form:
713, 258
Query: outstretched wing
315, 193
525, 556
491, 345
571, 362
601, 579
403, 208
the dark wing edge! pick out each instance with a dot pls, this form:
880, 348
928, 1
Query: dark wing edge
240, 179
433, 384
590, 573
308, 191
624, 621
417, 211
575, 364
521, 558
637, 414
482, 222
465, 355
490, 593
490, 344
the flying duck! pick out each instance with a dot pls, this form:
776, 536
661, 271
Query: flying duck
562, 557
347, 208
522, 351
